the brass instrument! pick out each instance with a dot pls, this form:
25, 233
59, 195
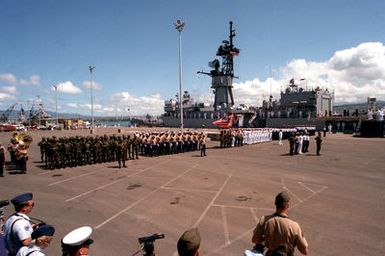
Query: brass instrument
24, 139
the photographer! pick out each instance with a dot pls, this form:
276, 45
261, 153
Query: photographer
18, 228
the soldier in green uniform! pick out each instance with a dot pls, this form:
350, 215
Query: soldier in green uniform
120, 152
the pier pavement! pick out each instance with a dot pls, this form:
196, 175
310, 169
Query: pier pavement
338, 198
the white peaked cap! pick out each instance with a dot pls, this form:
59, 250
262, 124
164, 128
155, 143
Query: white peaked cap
77, 236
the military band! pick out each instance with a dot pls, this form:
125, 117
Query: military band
18, 150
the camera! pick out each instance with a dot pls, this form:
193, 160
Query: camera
150, 239
148, 243
4, 203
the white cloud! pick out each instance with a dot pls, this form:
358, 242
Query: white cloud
6, 96
72, 105
9, 89
33, 80
9, 78
354, 74
95, 85
67, 87
12, 80
142, 105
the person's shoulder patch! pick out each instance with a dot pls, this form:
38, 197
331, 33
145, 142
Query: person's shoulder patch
26, 228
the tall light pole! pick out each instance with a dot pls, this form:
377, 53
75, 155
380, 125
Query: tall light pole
91, 69
57, 117
179, 25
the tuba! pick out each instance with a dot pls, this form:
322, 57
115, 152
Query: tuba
24, 139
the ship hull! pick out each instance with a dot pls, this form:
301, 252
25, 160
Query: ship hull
269, 122
189, 122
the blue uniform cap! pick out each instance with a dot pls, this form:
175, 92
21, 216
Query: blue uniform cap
20, 199
44, 230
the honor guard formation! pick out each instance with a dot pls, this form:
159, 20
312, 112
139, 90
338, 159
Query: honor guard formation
77, 151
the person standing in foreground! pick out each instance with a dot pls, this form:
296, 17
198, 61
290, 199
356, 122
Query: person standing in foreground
189, 243
318, 141
18, 228
278, 233
77, 242
41, 239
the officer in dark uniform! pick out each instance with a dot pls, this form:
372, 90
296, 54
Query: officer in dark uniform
318, 141
2, 160
292, 140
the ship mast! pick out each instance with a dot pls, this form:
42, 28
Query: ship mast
222, 79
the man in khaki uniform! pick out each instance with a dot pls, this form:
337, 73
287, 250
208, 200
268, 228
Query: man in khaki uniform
279, 233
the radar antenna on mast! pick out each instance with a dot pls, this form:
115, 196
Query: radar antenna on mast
222, 77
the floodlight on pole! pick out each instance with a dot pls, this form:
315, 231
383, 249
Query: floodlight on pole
91, 69
179, 25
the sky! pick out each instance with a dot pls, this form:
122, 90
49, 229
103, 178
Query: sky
134, 46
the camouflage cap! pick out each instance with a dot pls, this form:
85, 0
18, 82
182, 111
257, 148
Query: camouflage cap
189, 242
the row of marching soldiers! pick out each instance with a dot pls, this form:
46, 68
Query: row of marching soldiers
77, 151
236, 137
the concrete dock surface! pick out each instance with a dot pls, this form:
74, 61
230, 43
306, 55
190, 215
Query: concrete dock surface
338, 198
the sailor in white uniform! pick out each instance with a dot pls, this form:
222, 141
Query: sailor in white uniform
77, 242
18, 228
280, 135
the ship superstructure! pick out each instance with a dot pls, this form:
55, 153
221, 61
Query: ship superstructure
299, 102
197, 114
222, 77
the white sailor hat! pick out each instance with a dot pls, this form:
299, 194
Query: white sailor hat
78, 237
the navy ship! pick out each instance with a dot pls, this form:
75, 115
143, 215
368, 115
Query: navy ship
296, 106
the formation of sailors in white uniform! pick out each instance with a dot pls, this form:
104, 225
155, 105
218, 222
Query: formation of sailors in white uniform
257, 135
378, 115
234, 137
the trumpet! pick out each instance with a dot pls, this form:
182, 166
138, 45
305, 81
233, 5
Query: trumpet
24, 139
